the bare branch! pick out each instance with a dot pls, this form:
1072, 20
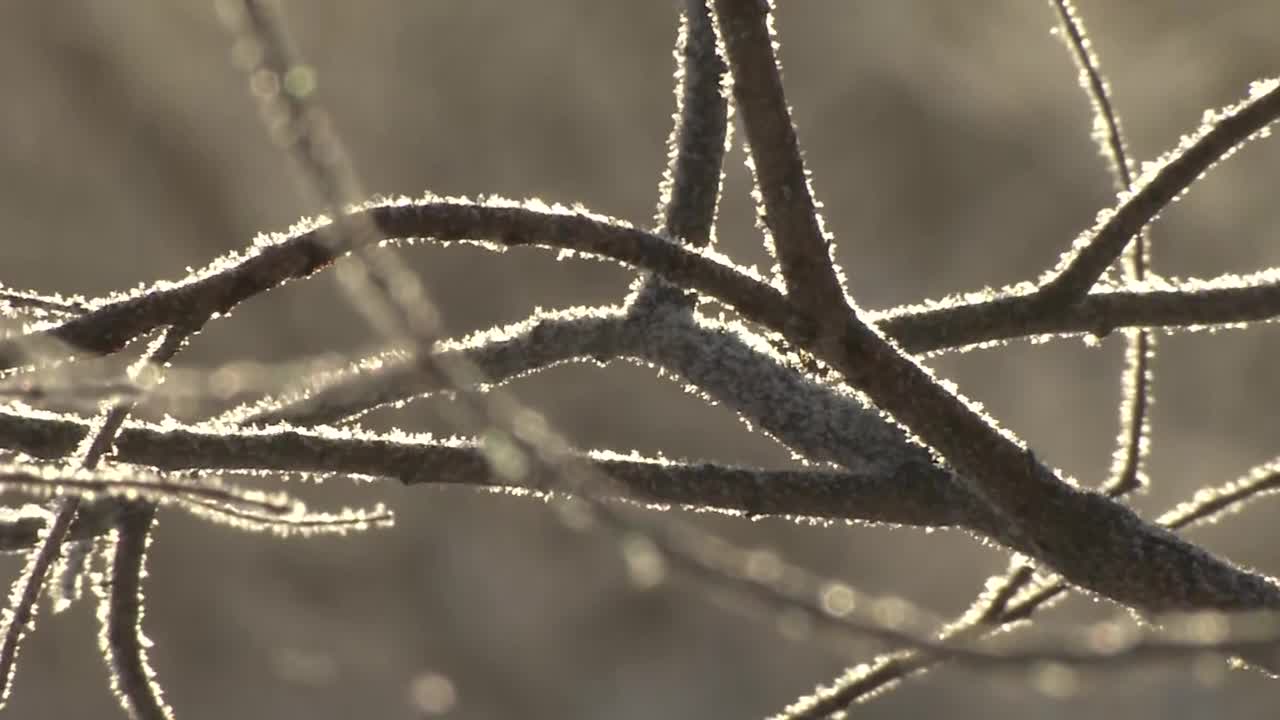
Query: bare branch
997, 609
914, 496
1190, 304
133, 484
788, 209
1083, 535
389, 296
1054, 526
132, 678
822, 423
93, 444
226, 283
1158, 186
1135, 424
690, 188
13, 301
897, 445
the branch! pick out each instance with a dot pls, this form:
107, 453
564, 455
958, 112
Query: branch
820, 422
498, 355
97, 441
842, 611
226, 282
132, 678
1158, 186
1093, 541
1133, 447
787, 207
918, 497
1191, 304
1126, 474
390, 297
134, 484
1003, 611
1053, 525
13, 303
690, 188
903, 499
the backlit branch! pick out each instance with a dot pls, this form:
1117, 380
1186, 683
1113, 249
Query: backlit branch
1159, 185
787, 208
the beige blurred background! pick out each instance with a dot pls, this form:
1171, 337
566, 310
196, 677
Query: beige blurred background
950, 144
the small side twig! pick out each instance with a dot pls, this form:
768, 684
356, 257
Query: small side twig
1152, 192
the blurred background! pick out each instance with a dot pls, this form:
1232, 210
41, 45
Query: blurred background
950, 144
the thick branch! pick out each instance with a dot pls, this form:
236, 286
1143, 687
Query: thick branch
690, 188
1094, 542
789, 211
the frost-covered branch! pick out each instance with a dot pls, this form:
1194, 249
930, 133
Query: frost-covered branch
977, 318
915, 496
893, 382
997, 611
787, 210
1159, 184
132, 678
88, 450
220, 287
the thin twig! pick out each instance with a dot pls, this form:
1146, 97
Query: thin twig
915, 495
12, 299
690, 189
29, 585
1155, 189
135, 484
1133, 446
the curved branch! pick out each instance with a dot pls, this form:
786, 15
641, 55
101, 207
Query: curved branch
97, 441
820, 422
1127, 471
864, 681
132, 485
227, 282
13, 302
122, 639
1152, 192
